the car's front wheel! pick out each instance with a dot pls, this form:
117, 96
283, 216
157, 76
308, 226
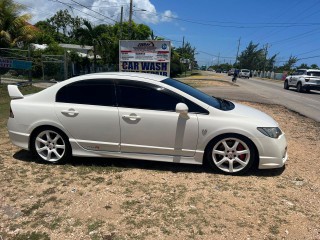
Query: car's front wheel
286, 85
50, 145
231, 154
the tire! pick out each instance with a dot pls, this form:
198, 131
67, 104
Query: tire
299, 87
286, 85
231, 154
50, 145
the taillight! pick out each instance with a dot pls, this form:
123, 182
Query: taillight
11, 113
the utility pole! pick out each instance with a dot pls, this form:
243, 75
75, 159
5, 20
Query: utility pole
65, 64
29, 58
238, 51
218, 59
121, 19
265, 60
130, 18
183, 58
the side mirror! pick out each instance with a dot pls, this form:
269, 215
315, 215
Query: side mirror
182, 108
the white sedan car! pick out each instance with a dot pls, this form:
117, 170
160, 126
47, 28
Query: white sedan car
143, 116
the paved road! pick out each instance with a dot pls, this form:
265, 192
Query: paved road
270, 91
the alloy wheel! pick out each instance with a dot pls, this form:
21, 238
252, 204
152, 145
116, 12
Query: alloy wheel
231, 155
50, 146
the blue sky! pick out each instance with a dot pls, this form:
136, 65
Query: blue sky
289, 27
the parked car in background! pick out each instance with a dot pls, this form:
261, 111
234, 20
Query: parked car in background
231, 72
143, 116
303, 80
244, 73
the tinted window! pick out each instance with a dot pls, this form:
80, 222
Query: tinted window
145, 96
193, 92
148, 96
315, 74
91, 92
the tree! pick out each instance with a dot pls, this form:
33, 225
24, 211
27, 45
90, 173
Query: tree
314, 66
91, 35
303, 66
14, 27
288, 66
46, 34
61, 20
252, 57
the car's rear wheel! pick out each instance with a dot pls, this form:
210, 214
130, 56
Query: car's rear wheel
286, 85
231, 154
50, 145
299, 87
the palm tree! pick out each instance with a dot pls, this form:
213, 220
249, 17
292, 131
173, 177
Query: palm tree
90, 35
14, 27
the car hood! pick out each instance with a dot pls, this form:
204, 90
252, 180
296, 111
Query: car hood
260, 118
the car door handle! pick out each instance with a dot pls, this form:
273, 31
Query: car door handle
131, 117
70, 112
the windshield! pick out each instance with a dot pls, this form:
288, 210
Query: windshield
212, 101
314, 74
245, 70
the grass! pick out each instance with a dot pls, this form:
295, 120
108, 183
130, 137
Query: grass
32, 236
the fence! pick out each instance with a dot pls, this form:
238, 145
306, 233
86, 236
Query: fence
269, 74
45, 67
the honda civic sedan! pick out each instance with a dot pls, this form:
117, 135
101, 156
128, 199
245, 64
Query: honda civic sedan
143, 116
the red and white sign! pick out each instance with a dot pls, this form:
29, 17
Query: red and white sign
145, 56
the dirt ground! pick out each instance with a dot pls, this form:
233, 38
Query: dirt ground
128, 199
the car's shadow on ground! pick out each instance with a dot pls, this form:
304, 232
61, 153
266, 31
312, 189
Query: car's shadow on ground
312, 92
127, 164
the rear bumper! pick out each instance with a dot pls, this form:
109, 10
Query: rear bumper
311, 87
19, 139
17, 134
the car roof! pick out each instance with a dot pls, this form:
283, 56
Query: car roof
308, 70
149, 76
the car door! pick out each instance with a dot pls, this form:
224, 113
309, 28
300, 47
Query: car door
149, 123
87, 110
293, 79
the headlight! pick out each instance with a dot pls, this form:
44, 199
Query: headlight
273, 132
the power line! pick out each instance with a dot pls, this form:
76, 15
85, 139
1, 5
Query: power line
205, 23
77, 9
93, 11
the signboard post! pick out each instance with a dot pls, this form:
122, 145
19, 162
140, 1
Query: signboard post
145, 56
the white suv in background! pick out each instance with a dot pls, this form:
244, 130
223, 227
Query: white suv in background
303, 80
244, 73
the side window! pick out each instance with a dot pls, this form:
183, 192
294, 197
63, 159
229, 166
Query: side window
194, 108
145, 96
148, 96
90, 92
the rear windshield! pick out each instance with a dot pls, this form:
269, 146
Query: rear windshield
245, 70
314, 74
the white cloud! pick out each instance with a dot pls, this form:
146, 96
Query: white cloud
167, 16
144, 10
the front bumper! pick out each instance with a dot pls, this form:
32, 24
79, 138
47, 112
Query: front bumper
274, 152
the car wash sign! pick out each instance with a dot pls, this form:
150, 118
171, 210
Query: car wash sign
145, 56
